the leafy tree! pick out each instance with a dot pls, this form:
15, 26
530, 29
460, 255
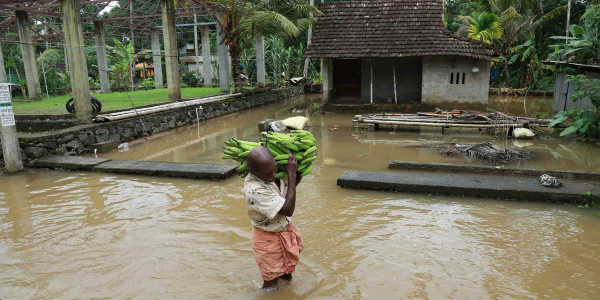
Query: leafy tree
484, 26
584, 45
121, 63
242, 20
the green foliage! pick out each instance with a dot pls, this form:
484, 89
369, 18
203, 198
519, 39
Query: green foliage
483, 26
190, 79
56, 81
122, 57
583, 44
579, 121
148, 83
243, 20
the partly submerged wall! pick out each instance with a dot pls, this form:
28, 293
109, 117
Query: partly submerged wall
84, 138
448, 79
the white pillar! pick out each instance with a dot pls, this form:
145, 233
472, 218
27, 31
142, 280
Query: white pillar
157, 59
101, 57
75, 45
260, 59
171, 51
223, 52
31, 71
3, 78
8, 132
206, 57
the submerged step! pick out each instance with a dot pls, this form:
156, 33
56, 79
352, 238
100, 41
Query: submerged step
169, 169
447, 167
475, 185
68, 162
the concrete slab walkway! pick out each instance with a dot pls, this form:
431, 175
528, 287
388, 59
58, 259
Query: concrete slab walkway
153, 168
475, 185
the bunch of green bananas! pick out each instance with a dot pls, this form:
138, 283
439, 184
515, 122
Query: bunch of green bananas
238, 150
299, 142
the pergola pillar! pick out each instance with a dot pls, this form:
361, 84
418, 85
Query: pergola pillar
157, 59
260, 59
75, 45
327, 74
223, 52
206, 59
101, 56
3, 78
34, 89
171, 51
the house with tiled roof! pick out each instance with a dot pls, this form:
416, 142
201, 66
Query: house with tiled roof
397, 51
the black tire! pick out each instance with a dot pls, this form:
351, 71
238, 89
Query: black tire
96, 105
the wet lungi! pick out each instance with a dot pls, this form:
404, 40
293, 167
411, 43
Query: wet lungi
276, 253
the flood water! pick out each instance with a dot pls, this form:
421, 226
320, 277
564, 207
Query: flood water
93, 235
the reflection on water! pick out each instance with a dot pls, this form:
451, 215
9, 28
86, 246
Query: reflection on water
83, 235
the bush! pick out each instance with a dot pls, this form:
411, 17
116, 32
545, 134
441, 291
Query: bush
582, 122
190, 79
148, 83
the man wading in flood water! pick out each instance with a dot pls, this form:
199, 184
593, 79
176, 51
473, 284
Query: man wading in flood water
276, 243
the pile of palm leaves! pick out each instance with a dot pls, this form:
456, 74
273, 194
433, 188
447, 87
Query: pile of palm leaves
484, 151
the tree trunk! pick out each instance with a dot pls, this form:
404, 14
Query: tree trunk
235, 52
507, 74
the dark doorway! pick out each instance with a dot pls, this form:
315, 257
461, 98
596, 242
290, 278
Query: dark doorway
346, 78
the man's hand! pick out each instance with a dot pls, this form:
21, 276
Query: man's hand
292, 167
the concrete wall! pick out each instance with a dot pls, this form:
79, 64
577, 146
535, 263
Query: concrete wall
81, 139
436, 86
563, 93
408, 80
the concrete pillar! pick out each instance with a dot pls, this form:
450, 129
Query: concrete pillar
75, 45
32, 76
171, 51
8, 132
101, 57
223, 52
157, 59
327, 74
260, 59
3, 78
206, 58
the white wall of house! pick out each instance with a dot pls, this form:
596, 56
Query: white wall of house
442, 80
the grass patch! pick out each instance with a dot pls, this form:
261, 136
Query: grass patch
113, 101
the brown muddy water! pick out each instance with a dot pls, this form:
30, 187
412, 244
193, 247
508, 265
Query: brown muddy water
93, 235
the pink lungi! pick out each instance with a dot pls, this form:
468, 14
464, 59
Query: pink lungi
276, 253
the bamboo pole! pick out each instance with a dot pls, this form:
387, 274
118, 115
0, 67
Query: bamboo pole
445, 124
159, 108
395, 93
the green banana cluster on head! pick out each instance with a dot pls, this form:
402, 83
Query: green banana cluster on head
238, 150
301, 143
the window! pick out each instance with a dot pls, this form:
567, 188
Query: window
463, 79
451, 78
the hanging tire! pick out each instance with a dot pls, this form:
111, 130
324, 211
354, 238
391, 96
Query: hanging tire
96, 105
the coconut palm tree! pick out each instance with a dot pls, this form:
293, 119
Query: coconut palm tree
242, 20
484, 26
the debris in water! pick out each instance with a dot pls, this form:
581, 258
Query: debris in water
123, 147
549, 181
484, 151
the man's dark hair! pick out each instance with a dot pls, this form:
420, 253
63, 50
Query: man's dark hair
256, 155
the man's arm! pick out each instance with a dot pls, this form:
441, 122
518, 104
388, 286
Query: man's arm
290, 197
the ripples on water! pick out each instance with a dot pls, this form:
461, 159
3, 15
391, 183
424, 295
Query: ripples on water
84, 235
